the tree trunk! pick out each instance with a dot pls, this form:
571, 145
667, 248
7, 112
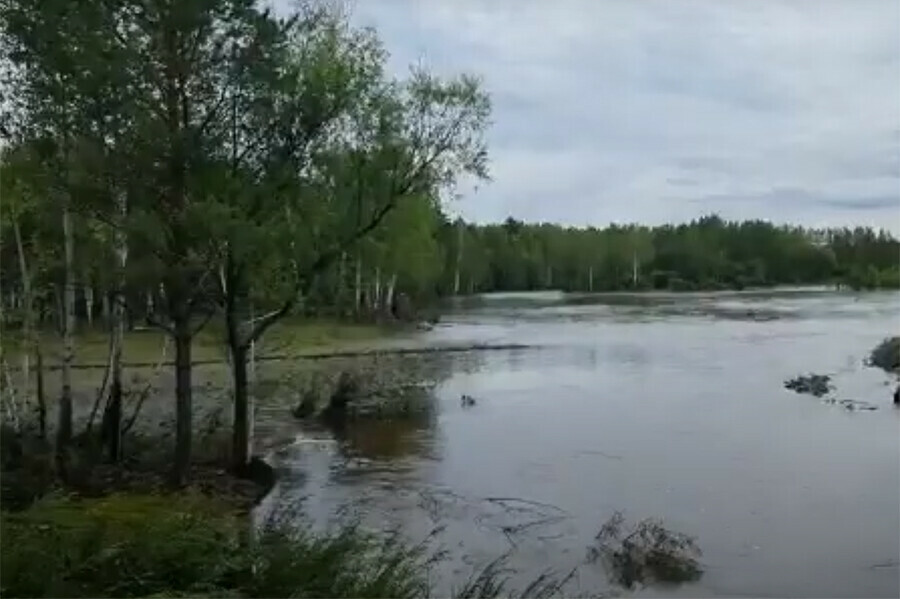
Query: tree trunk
64, 427
183, 407
104, 308
114, 419
358, 297
89, 305
28, 317
149, 306
459, 255
339, 299
60, 309
634, 270
242, 426
376, 295
41, 400
591, 278
389, 296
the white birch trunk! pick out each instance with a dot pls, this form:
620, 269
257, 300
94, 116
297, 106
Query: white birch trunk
89, 304
64, 426
389, 299
376, 296
358, 291
28, 317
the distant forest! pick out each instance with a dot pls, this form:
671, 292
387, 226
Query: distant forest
429, 255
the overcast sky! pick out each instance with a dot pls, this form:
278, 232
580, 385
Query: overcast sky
660, 111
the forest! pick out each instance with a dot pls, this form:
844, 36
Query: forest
429, 256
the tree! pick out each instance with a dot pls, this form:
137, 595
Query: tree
389, 143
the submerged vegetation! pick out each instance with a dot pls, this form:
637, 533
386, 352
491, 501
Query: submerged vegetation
818, 385
886, 355
644, 553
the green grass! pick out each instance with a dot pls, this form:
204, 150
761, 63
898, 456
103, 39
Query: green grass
291, 336
189, 545
180, 545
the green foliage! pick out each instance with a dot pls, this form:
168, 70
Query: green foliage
126, 546
349, 563
705, 254
137, 546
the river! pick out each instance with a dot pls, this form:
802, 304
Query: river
668, 406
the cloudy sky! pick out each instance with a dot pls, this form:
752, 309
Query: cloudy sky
656, 111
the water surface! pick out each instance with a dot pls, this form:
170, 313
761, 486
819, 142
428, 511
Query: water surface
659, 405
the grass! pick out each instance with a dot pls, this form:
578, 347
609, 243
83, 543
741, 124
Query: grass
291, 336
188, 545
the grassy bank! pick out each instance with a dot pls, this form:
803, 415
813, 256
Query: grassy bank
189, 545
292, 336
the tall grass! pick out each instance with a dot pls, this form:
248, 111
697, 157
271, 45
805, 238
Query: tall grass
138, 546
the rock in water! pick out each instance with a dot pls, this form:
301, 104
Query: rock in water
814, 384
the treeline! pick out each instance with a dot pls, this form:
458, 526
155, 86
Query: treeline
708, 253
176, 161
428, 255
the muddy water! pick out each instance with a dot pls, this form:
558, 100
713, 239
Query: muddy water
665, 406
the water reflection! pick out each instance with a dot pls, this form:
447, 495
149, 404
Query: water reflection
395, 439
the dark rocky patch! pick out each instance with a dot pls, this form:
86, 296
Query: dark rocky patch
886, 355
813, 384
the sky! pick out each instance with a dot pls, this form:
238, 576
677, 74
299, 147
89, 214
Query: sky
663, 111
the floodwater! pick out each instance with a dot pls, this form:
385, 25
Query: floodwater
658, 405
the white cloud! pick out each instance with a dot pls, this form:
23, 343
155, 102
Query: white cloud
657, 110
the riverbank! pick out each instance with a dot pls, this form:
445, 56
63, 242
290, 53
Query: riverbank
143, 345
